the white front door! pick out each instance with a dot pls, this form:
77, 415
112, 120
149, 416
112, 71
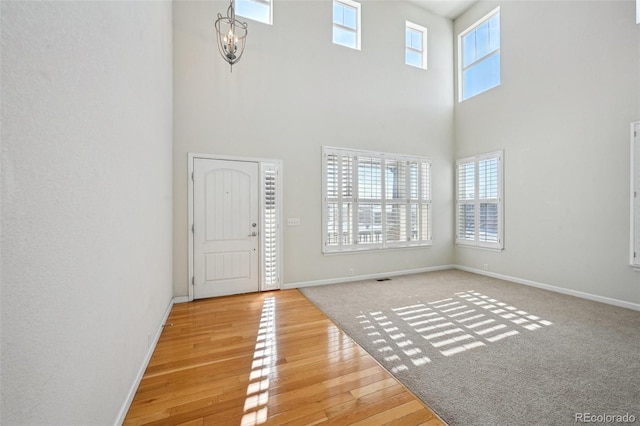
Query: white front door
225, 220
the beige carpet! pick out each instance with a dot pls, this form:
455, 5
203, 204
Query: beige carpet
482, 351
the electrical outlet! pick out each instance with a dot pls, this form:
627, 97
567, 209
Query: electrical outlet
351, 272
486, 266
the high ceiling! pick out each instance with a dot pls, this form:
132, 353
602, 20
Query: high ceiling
448, 8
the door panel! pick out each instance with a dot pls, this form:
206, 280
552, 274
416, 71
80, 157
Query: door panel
225, 227
226, 266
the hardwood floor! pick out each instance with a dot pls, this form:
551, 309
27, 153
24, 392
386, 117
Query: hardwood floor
266, 358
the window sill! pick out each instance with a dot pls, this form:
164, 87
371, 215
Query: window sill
470, 246
375, 249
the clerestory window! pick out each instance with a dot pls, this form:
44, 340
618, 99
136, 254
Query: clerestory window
479, 56
257, 10
415, 49
346, 23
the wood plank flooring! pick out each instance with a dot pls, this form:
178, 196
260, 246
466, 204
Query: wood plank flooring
266, 358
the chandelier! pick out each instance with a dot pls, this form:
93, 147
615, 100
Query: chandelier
231, 35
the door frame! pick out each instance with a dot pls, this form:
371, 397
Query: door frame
261, 163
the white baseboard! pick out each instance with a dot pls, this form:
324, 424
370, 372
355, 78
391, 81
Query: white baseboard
180, 299
583, 295
364, 277
134, 387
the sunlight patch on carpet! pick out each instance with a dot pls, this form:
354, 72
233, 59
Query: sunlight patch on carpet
466, 321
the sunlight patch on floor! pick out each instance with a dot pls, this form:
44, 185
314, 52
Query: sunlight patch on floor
264, 356
468, 320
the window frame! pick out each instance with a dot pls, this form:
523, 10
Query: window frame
411, 26
419, 203
268, 3
462, 68
634, 251
476, 201
357, 31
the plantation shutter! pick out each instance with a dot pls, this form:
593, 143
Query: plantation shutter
479, 200
466, 223
369, 189
375, 200
423, 201
270, 232
396, 200
488, 200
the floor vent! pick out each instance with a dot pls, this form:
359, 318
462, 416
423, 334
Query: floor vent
384, 279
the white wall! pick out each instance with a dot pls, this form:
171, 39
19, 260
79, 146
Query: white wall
86, 204
570, 87
294, 91
87, 181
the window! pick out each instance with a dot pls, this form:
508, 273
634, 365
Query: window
258, 10
415, 45
346, 23
375, 200
479, 56
635, 199
479, 201
271, 237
